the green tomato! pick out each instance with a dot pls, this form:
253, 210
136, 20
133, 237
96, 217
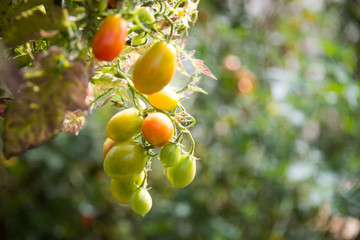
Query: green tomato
183, 173
125, 159
124, 125
141, 201
170, 155
123, 188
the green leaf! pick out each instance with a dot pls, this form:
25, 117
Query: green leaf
51, 88
106, 80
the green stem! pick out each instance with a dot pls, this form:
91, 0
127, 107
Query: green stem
172, 28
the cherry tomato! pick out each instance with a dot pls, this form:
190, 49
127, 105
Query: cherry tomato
107, 146
110, 39
170, 154
125, 159
141, 201
145, 15
183, 173
166, 99
157, 129
123, 188
154, 70
124, 125
113, 3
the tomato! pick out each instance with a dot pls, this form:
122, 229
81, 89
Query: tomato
141, 201
113, 3
125, 159
124, 125
170, 154
183, 173
107, 146
145, 15
110, 39
154, 70
123, 188
157, 129
166, 99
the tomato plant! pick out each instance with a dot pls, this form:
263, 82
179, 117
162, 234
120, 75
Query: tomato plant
141, 201
125, 159
110, 39
154, 70
124, 124
166, 99
183, 173
157, 129
170, 154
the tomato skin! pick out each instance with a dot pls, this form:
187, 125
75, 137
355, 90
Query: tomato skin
166, 99
183, 173
124, 125
157, 129
110, 39
155, 69
107, 146
170, 155
141, 201
123, 188
125, 159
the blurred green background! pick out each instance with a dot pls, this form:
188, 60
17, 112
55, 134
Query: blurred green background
277, 134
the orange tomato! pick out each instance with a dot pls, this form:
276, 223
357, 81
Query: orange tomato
157, 129
154, 70
108, 145
110, 39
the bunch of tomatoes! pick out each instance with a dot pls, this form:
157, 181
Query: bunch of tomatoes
133, 133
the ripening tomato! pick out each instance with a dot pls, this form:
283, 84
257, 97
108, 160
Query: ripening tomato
183, 173
154, 70
125, 159
107, 146
124, 125
170, 154
141, 201
166, 99
157, 129
123, 188
110, 39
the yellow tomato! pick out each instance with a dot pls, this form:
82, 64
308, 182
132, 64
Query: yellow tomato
166, 99
154, 70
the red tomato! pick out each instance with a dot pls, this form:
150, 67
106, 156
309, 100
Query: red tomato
157, 129
110, 39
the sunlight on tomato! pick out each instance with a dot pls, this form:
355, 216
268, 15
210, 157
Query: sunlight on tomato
183, 173
155, 69
166, 99
110, 39
157, 129
124, 124
141, 201
125, 159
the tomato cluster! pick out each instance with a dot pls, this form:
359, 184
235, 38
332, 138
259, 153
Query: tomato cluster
133, 132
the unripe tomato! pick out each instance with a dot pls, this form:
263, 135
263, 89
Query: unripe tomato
166, 99
145, 15
154, 70
157, 129
141, 201
123, 188
170, 154
107, 146
110, 39
183, 173
125, 159
124, 125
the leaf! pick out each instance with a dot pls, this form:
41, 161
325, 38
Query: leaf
106, 81
130, 60
73, 122
191, 53
199, 65
9, 73
3, 103
35, 23
180, 68
196, 89
53, 86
